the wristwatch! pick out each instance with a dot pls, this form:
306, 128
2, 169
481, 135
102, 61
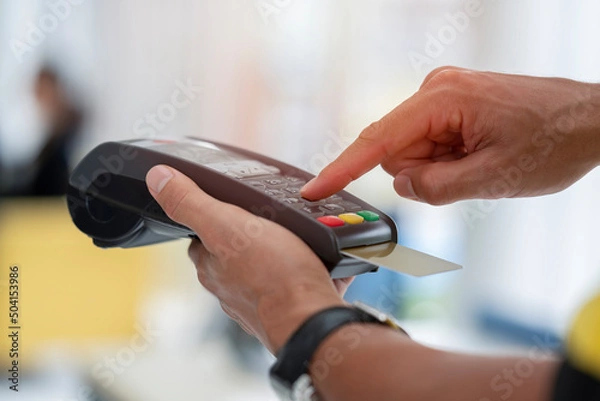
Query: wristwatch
290, 376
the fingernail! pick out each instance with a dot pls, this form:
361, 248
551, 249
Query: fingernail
404, 187
308, 186
158, 177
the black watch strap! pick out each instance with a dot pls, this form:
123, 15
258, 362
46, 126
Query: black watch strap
294, 357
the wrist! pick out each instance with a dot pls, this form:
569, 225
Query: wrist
282, 312
591, 116
596, 111
576, 128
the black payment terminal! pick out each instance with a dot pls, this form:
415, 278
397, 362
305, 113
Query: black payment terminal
108, 199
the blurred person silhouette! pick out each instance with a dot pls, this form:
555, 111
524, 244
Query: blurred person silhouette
47, 174
63, 119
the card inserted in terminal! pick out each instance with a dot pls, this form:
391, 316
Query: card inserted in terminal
401, 259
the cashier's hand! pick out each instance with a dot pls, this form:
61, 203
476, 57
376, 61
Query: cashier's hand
266, 278
468, 134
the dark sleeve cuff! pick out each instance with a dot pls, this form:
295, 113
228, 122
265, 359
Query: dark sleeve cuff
573, 384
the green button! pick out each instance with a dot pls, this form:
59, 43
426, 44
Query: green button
368, 215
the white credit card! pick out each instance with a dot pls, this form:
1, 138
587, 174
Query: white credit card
401, 259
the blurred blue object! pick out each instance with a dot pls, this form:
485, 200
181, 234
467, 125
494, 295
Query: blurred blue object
508, 328
381, 290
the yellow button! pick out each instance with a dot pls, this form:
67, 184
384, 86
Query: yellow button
584, 341
351, 218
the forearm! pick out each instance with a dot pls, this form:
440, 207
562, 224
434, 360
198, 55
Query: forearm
367, 362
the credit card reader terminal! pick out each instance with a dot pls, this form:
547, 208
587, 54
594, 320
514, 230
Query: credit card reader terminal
109, 201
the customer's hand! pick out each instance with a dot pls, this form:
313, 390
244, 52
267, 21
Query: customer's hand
266, 278
468, 134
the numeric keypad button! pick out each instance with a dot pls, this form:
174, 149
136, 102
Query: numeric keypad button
313, 211
275, 183
332, 208
293, 202
349, 206
275, 193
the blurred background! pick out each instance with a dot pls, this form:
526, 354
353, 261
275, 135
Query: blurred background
296, 80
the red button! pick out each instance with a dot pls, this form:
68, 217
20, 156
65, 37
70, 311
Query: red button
331, 221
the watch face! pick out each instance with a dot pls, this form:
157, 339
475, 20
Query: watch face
379, 316
303, 389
